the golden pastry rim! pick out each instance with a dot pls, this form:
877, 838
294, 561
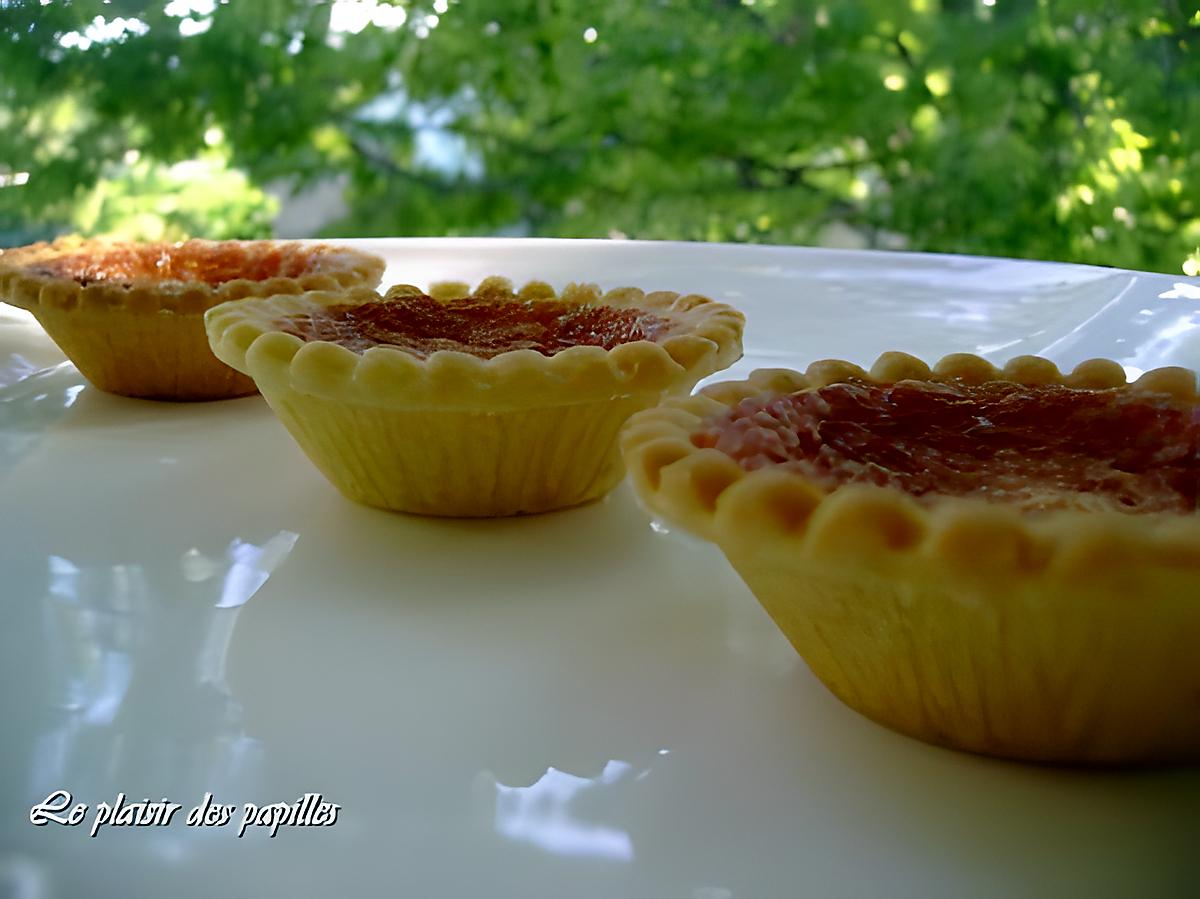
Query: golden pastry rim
347, 267
781, 512
244, 336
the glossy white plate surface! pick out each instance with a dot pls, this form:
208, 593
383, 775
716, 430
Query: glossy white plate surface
572, 704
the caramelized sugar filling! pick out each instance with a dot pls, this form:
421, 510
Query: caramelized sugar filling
1038, 448
211, 262
482, 327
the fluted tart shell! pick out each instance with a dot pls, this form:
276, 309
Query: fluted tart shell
454, 433
130, 315
1066, 636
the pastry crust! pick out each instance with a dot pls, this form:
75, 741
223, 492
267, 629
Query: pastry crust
316, 267
1064, 636
706, 338
455, 434
144, 336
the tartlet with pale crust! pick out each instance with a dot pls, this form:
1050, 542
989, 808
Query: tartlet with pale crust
459, 403
131, 315
1029, 624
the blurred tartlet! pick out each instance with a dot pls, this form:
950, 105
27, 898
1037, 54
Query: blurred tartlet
1006, 562
131, 315
462, 403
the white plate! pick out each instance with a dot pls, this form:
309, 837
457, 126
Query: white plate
563, 705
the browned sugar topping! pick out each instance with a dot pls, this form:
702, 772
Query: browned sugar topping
1037, 448
210, 262
483, 327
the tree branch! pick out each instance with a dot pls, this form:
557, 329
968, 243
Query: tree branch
382, 161
749, 170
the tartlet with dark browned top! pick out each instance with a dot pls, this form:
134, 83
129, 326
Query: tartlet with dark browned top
460, 403
130, 315
1005, 561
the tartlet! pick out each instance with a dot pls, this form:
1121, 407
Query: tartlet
131, 315
1044, 605
471, 404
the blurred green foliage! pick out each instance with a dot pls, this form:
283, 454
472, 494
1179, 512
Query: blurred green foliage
1059, 130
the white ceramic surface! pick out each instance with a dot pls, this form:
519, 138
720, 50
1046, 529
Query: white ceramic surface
574, 704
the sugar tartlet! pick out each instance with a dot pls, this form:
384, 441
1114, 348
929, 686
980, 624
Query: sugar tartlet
462, 403
1003, 561
131, 315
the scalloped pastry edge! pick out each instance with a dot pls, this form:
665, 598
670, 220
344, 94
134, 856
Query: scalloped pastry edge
775, 512
244, 334
338, 267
